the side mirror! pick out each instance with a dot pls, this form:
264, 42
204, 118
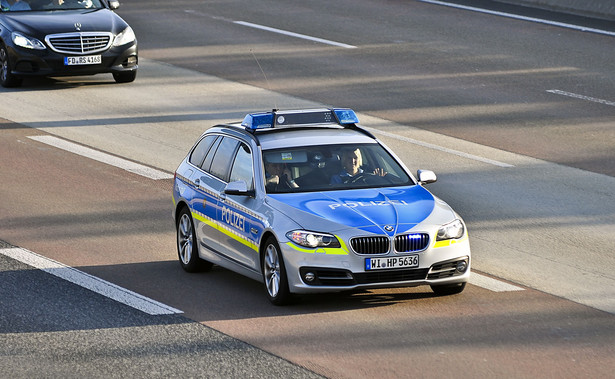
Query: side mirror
426, 176
238, 188
114, 4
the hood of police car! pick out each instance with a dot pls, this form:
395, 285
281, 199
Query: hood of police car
380, 211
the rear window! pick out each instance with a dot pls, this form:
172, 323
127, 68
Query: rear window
221, 163
198, 154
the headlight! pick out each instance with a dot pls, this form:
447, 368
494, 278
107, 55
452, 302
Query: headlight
127, 36
451, 230
27, 42
312, 239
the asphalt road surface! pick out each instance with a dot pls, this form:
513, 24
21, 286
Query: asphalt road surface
535, 89
440, 86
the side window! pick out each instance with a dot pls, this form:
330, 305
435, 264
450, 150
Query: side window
198, 154
242, 166
210, 155
220, 165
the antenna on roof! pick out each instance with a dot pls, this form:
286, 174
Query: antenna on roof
263, 71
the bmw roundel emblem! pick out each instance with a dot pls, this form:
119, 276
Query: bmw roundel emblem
389, 228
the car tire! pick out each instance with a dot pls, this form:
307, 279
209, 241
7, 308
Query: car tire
7, 79
448, 289
274, 273
125, 77
187, 249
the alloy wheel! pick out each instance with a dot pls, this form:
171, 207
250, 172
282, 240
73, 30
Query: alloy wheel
272, 271
185, 238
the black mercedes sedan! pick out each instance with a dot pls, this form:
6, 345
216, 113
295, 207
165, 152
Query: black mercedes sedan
64, 38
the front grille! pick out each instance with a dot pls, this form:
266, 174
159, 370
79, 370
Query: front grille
390, 276
79, 43
405, 243
411, 242
370, 245
342, 278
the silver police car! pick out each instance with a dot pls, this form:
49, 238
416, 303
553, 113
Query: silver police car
306, 201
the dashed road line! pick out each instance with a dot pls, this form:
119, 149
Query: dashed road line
154, 307
124, 164
582, 97
523, 18
492, 284
90, 282
292, 34
439, 148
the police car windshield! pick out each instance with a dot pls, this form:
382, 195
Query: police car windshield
331, 167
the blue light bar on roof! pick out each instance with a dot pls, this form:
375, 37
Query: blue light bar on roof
258, 120
346, 116
302, 117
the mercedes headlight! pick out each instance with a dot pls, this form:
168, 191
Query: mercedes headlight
451, 230
126, 36
312, 239
27, 42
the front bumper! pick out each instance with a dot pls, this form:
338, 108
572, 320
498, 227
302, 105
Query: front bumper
342, 272
28, 62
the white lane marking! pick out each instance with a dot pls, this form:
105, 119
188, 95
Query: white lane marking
439, 148
124, 164
154, 307
296, 35
492, 284
582, 97
90, 282
523, 18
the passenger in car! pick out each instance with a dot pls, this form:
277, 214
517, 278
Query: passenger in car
15, 5
278, 177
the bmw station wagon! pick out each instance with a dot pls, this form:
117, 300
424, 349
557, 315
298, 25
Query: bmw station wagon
305, 201
64, 38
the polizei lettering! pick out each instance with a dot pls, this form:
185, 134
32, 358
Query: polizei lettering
234, 219
355, 204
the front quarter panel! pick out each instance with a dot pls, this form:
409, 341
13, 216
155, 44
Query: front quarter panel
423, 218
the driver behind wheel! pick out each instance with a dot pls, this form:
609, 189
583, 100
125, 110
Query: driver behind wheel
351, 167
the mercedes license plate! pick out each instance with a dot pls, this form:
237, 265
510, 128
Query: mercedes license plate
391, 263
86, 59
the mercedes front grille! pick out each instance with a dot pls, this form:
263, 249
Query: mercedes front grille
80, 43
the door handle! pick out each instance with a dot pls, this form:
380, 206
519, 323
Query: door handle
198, 181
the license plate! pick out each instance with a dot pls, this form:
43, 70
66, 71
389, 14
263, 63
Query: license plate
86, 59
391, 263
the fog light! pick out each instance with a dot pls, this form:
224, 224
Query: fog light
309, 277
131, 61
462, 266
